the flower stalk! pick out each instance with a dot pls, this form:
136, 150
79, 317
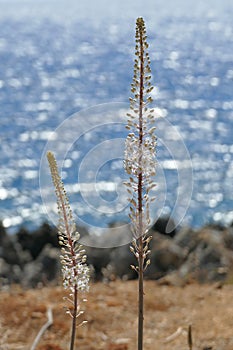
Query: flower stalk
75, 271
139, 163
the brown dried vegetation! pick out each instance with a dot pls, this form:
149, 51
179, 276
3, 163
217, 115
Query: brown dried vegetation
110, 312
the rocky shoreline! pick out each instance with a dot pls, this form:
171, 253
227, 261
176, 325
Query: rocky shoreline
205, 255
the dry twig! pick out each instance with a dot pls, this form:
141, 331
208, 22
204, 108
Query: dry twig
43, 328
174, 335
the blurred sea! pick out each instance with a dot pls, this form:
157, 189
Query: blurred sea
51, 68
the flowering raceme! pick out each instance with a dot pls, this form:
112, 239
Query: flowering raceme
140, 145
139, 163
75, 271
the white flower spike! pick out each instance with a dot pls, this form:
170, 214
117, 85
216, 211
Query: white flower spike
75, 271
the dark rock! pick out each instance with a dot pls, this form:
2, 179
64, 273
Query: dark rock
216, 226
5, 272
121, 259
205, 254
9, 273
210, 260
46, 268
34, 242
8, 251
166, 226
228, 238
165, 256
172, 278
187, 239
49, 259
32, 275
100, 249
98, 258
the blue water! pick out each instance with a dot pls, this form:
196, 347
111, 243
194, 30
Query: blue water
51, 68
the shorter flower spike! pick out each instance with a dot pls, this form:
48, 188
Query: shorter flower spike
75, 271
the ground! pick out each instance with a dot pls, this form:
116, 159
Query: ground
111, 312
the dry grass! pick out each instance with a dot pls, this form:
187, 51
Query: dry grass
111, 313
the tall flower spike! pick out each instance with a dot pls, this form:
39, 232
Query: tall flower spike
75, 271
140, 161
